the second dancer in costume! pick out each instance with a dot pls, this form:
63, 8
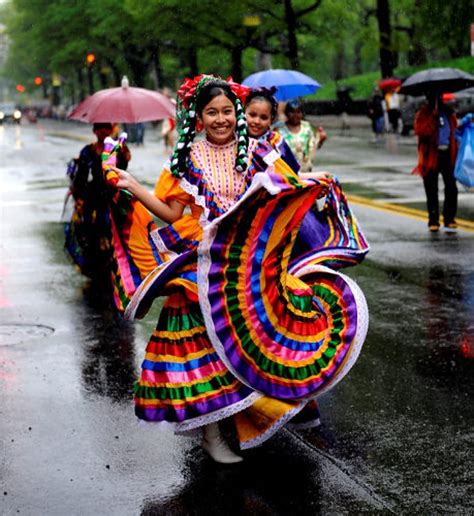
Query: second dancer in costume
260, 112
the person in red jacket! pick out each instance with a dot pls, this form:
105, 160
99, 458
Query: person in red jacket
435, 125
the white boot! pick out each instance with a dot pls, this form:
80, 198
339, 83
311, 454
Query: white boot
213, 443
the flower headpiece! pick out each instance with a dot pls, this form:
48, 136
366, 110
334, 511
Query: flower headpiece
240, 91
187, 96
190, 87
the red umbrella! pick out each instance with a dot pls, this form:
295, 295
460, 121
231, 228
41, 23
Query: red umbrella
391, 83
126, 104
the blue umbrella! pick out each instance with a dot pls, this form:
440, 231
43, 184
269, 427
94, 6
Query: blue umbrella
289, 83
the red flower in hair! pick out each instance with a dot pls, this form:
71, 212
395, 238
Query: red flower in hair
241, 92
188, 88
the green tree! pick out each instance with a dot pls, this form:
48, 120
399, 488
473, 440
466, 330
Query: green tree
446, 26
157, 42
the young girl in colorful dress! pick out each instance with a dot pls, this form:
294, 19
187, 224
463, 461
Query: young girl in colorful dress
260, 112
240, 334
300, 136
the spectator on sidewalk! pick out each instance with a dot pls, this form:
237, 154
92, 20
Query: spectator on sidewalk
375, 112
435, 125
392, 100
140, 133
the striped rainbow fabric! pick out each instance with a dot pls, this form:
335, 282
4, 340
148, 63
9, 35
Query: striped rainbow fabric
330, 236
286, 336
253, 311
183, 378
135, 253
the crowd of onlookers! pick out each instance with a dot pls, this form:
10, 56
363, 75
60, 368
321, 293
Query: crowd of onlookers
391, 112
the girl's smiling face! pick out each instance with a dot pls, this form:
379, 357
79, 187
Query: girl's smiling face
294, 117
218, 120
259, 117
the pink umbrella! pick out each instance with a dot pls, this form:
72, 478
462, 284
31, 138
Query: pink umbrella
126, 105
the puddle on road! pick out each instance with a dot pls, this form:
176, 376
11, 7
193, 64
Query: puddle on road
17, 333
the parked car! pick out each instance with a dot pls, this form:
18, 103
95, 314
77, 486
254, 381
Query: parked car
9, 113
408, 108
461, 101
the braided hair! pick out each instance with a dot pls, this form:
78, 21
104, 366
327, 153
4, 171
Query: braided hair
207, 89
264, 94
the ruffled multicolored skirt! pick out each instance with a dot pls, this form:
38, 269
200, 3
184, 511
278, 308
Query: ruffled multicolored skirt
257, 321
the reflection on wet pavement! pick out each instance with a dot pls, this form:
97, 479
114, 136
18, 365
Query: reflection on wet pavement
18, 140
449, 316
283, 477
11, 137
403, 420
108, 353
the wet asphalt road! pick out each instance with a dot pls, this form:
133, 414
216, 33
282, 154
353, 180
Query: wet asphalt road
397, 431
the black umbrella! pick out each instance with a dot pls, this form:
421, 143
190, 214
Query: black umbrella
437, 80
